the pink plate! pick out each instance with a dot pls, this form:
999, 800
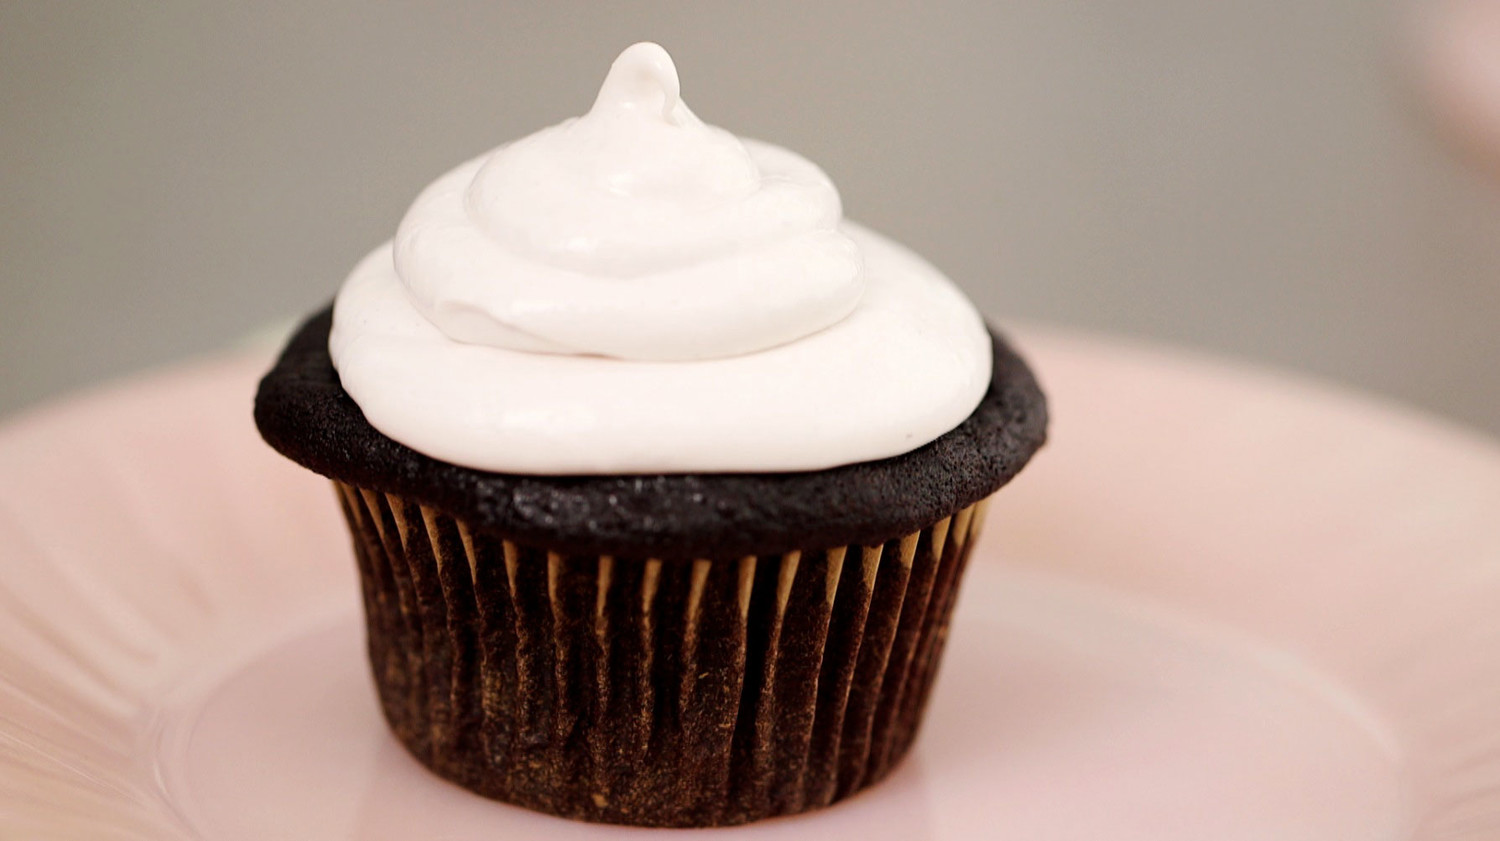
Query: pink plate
1220, 605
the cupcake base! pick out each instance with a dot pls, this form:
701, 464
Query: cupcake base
652, 691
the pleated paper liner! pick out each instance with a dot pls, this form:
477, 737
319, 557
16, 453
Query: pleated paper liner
647, 691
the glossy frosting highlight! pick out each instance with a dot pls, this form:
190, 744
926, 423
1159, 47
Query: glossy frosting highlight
634, 291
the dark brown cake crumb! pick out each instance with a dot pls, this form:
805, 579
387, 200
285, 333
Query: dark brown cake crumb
304, 413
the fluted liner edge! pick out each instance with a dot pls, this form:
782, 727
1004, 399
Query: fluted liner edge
649, 691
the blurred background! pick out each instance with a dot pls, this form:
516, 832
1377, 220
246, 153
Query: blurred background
1301, 184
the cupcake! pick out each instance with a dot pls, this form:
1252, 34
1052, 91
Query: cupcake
661, 476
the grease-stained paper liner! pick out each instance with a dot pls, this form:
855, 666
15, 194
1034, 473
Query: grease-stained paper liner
652, 691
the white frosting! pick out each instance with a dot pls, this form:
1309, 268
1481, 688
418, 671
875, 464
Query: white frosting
635, 231
634, 291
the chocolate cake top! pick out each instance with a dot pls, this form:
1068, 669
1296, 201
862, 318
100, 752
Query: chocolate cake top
305, 414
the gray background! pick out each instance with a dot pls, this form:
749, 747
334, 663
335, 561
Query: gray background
1257, 179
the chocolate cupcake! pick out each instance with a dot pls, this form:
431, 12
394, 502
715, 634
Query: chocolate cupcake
661, 476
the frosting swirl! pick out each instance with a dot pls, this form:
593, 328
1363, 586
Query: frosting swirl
634, 291
635, 231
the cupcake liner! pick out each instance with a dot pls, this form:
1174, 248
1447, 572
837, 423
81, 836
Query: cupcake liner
651, 691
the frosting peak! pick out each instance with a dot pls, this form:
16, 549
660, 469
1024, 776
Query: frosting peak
635, 231
643, 77
640, 109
